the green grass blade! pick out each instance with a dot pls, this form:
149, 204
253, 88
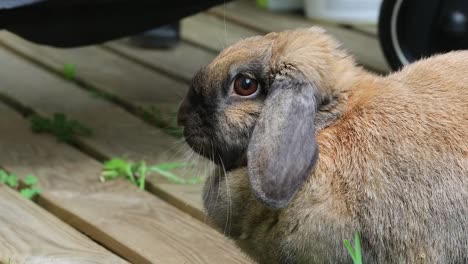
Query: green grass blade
129, 172
27, 193
170, 176
350, 250
12, 181
30, 180
142, 171
355, 252
69, 71
30, 193
3, 176
115, 164
357, 248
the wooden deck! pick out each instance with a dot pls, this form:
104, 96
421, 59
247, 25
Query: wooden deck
116, 87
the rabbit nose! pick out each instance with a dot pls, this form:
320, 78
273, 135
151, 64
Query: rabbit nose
183, 114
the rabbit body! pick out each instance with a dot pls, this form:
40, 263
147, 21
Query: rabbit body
392, 163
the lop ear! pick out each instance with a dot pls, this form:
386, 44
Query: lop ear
283, 150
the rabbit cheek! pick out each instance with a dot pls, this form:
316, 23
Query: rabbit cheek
235, 125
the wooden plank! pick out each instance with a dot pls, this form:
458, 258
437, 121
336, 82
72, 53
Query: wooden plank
106, 69
28, 234
365, 48
212, 32
182, 62
138, 225
116, 133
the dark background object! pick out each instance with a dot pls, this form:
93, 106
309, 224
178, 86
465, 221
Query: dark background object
412, 29
69, 23
164, 37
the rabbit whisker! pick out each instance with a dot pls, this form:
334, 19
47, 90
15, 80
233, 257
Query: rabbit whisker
227, 228
209, 192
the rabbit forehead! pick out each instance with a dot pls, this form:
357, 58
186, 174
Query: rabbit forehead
307, 46
241, 53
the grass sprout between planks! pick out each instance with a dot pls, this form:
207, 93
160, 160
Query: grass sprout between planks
27, 187
67, 130
62, 127
69, 71
152, 115
137, 172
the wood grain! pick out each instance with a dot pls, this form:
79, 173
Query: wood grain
363, 46
116, 133
213, 33
28, 234
182, 62
140, 226
104, 69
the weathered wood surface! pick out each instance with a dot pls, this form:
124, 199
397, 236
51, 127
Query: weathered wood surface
363, 46
182, 62
138, 225
212, 32
116, 132
104, 69
28, 234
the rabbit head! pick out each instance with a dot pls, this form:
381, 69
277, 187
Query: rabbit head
256, 105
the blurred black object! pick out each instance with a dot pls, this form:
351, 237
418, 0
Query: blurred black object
69, 23
412, 29
164, 37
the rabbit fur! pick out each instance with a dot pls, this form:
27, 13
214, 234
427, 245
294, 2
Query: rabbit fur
326, 148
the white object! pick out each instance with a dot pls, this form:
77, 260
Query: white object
344, 11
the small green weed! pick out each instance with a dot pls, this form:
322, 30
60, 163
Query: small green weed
356, 251
69, 71
27, 187
137, 172
60, 126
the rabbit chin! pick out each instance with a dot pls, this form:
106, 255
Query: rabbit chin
228, 158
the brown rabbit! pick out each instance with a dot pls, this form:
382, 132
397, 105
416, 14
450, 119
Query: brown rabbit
315, 148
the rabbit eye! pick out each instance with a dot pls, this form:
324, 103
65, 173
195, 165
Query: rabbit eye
245, 86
